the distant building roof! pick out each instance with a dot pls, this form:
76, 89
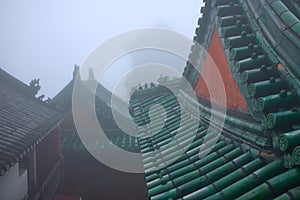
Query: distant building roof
24, 120
70, 139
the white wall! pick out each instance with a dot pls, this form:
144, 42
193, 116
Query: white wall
13, 186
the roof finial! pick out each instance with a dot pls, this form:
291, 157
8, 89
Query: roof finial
91, 74
76, 72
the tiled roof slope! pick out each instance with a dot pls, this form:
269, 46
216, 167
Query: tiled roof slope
230, 170
24, 121
63, 100
70, 139
254, 158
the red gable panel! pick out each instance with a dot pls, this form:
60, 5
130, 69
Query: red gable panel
235, 99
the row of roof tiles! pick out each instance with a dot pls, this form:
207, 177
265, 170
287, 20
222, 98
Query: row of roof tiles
71, 142
230, 170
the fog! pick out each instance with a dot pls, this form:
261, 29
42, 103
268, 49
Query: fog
44, 39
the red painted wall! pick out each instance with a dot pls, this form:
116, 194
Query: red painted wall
47, 155
86, 177
234, 97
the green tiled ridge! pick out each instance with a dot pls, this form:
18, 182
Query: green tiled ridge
157, 91
71, 142
201, 38
142, 116
234, 125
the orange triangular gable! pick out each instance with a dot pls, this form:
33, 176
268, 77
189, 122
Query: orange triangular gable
234, 98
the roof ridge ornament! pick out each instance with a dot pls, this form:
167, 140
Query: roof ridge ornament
76, 71
35, 85
91, 74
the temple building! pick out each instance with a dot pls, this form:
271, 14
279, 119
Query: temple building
30, 155
85, 176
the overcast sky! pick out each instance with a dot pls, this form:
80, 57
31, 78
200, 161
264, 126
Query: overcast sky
44, 39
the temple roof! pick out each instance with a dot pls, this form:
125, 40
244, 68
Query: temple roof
260, 60
257, 153
24, 120
70, 139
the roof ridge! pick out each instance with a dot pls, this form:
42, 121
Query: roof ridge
16, 84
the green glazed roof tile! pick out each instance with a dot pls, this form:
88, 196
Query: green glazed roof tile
289, 18
274, 186
288, 141
270, 1
226, 180
296, 28
279, 7
293, 193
